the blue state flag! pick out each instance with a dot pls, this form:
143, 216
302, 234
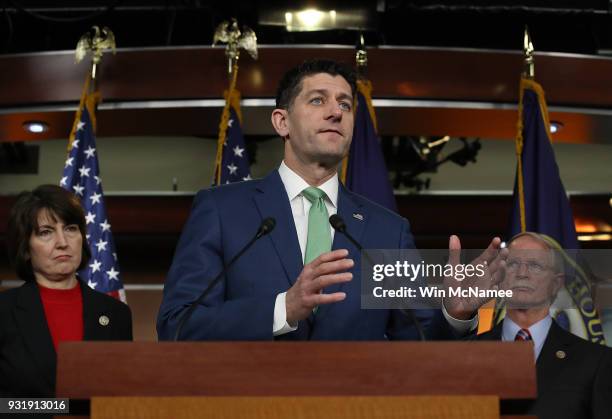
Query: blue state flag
81, 176
364, 171
540, 204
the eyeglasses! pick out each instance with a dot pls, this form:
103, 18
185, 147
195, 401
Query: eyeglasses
533, 268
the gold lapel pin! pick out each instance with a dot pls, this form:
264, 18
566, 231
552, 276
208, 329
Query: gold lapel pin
561, 354
104, 320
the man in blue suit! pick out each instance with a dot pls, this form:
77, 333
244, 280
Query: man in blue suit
300, 282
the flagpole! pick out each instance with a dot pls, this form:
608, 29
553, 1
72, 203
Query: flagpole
224, 120
229, 33
528, 75
492, 312
77, 116
96, 41
361, 66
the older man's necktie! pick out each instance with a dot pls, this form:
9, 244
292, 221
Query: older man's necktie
524, 335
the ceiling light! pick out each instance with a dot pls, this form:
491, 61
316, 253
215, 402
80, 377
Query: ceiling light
594, 237
360, 17
35, 127
555, 126
310, 19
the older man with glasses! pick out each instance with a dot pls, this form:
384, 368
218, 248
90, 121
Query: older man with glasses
574, 376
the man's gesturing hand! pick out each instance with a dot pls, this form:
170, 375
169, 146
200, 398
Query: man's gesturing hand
328, 269
494, 261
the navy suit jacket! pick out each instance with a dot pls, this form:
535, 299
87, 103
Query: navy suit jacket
241, 307
574, 376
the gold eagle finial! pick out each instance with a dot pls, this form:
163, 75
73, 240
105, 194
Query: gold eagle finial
96, 40
229, 33
528, 53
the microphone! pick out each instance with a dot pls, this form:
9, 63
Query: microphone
266, 226
340, 226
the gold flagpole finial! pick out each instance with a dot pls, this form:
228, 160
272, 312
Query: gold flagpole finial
361, 55
96, 41
528, 53
228, 32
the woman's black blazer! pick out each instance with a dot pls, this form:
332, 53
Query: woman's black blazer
27, 356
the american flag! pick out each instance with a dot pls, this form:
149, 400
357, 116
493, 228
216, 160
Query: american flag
234, 158
82, 177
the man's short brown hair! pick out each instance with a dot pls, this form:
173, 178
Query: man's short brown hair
291, 83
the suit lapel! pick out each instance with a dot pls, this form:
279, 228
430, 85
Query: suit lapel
355, 219
547, 365
31, 320
272, 201
96, 318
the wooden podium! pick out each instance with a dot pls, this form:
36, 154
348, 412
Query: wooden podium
296, 379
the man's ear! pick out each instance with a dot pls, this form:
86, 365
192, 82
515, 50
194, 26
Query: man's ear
279, 122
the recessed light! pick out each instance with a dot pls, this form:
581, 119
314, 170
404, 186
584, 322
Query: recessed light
311, 19
36, 127
555, 126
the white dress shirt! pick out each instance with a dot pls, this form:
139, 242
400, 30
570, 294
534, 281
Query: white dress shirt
300, 205
538, 332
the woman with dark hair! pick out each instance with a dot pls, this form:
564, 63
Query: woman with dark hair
47, 244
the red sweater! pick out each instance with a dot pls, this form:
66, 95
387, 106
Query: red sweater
64, 313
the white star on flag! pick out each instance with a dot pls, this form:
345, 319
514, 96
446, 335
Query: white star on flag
95, 266
90, 218
92, 284
90, 152
84, 171
232, 168
247, 177
63, 181
230, 122
78, 189
238, 151
75, 144
112, 274
80, 125
95, 198
101, 245
98, 179
69, 162
105, 226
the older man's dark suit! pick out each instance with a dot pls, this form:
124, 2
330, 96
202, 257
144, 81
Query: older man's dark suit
27, 355
573, 384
